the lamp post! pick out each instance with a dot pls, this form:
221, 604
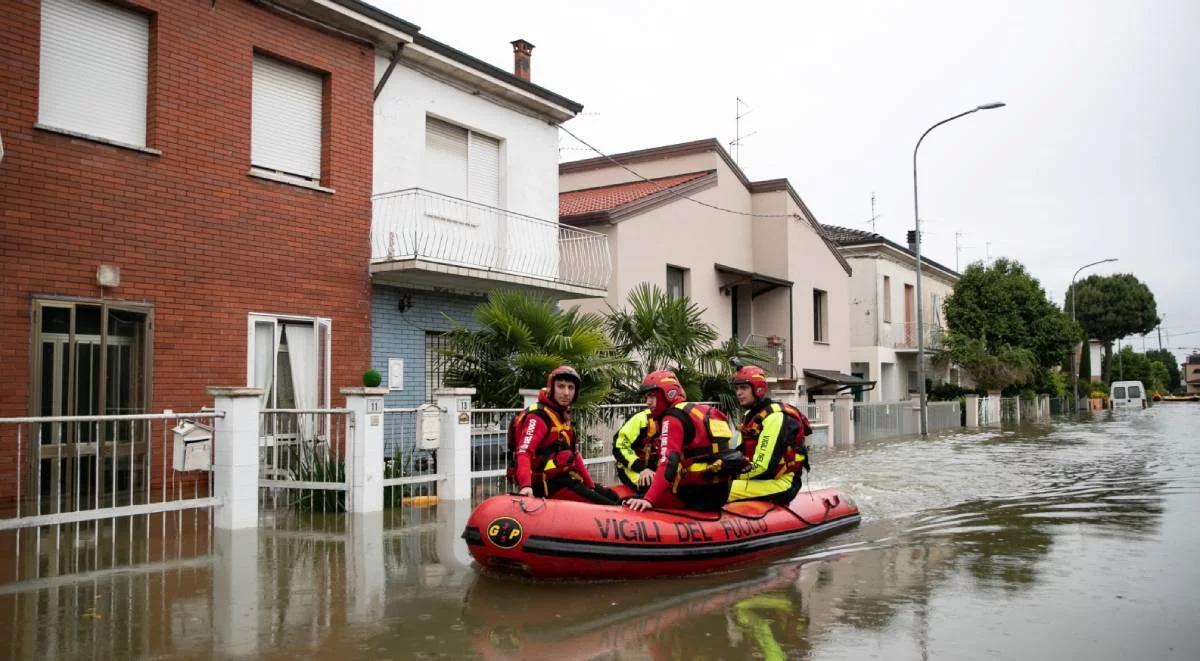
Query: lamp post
920, 304
1075, 362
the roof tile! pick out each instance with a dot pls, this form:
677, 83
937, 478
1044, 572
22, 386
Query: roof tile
607, 198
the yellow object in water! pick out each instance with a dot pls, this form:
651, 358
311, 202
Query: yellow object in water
420, 501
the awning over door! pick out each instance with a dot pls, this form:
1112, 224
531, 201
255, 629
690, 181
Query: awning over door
834, 381
758, 282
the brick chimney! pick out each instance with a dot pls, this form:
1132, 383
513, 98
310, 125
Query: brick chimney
522, 53
912, 241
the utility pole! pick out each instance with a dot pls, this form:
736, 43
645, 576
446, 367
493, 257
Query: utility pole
1159, 329
957, 249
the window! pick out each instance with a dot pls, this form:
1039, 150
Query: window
1118, 392
1135, 392
936, 316
435, 362
289, 360
914, 383
887, 298
286, 113
90, 358
676, 282
820, 316
93, 70
461, 163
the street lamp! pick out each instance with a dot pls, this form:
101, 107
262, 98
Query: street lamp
1075, 356
920, 304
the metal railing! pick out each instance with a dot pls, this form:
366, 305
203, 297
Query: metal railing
904, 335
302, 459
776, 350
418, 224
1010, 410
875, 420
990, 411
941, 416
73, 469
1059, 406
405, 460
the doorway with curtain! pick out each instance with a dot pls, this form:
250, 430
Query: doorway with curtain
289, 361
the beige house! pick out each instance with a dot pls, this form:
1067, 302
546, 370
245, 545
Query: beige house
1191, 374
759, 264
883, 312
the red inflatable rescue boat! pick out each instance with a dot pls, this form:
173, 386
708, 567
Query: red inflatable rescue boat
565, 539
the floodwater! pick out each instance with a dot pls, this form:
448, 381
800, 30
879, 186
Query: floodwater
1071, 540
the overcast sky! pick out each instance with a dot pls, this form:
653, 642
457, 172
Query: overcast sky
1097, 154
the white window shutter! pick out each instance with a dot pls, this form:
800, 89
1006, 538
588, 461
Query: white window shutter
286, 119
483, 185
94, 65
445, 158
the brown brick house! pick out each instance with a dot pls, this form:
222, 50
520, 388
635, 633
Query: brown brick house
215, 159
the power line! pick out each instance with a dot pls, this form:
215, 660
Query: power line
668, 190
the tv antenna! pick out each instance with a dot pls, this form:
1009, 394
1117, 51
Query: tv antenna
735, 145
874, 217
958, 248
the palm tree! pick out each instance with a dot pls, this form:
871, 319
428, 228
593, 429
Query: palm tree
522, 337
657, 331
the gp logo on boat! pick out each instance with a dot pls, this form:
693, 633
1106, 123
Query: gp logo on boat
504, 532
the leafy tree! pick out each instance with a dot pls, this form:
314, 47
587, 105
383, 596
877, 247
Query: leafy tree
521, 338
657, 331
1111, 307
1132, 366
1168, 361
1003, 329
991, 369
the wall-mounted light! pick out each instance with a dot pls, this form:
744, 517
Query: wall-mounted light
405, 303
108, 275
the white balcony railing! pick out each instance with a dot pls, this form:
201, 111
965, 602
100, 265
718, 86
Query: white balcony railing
904, 335
420, 224
776, 349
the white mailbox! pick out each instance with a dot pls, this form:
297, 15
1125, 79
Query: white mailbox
193, 446
429, 423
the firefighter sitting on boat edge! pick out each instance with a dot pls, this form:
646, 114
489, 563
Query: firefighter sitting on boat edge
772, 441
695, 464
543, 459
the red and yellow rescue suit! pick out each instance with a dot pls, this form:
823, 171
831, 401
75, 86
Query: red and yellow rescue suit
690, 473
542, 455
635, 447
773, 441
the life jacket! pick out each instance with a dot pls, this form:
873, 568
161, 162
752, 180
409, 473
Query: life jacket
795, 454
555, 455
706, 437
644, 447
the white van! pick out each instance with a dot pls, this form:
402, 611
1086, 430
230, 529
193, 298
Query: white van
1124, 394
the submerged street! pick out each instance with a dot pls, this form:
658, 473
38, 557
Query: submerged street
1070, 540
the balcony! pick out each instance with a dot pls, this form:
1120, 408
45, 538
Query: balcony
779, 363
904, 336
419, 237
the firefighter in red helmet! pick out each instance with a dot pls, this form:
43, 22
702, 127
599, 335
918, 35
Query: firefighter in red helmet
543, 456
691, 472
772, 441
